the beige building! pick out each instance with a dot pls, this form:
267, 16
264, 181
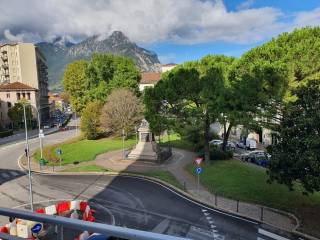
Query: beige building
149, 79
167, 67
24, 63
10, 94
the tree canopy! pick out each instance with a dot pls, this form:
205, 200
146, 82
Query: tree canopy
296, 155
122, 111
90, 81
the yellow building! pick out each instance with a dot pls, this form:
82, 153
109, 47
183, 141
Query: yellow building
24, 63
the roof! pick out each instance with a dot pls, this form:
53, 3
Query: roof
15, 86
169, 65
150, 77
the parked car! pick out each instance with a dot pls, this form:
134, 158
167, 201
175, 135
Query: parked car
258, 157
251, 144
231, 145
241, 145
216, 142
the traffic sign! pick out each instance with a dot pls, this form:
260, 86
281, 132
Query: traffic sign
41, 135
59, 151
199, 160
199, 170
36, 228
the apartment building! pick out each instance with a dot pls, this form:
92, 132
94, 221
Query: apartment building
24, 63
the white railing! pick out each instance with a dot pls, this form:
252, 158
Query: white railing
68, 223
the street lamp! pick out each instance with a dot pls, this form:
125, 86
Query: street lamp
28, 156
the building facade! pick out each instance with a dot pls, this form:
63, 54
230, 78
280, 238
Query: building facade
24, 63
12, 93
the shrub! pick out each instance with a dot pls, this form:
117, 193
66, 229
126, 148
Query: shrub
6, 133
217, 154
90, 120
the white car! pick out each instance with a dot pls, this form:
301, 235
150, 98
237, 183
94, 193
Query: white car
231, 145
216, 142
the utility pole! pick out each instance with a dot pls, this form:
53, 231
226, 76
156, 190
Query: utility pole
123, 153
28, 156
76, 120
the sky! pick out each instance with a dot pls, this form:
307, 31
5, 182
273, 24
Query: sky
177, 30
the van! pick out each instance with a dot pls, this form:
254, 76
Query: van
251, 144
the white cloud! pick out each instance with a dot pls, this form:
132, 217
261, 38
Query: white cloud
246, 4
143, 21
310, 18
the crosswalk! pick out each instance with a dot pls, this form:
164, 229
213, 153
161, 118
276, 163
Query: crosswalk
8, 175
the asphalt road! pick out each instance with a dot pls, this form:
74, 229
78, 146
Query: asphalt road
122, 201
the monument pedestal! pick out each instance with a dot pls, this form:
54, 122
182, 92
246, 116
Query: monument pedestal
145, 148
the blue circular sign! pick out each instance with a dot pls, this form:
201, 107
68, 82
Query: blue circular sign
36, 228
199, 170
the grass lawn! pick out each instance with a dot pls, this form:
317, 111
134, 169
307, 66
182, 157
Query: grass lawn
88, 168
82, 150
165, 176
176, 142
247, 182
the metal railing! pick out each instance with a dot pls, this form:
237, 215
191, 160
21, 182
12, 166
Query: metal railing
68, 223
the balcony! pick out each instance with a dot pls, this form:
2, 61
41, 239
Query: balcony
63, 224
5, 65
4, 57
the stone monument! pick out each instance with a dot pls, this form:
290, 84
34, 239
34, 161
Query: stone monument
146, 146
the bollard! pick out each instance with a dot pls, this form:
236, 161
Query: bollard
261, 214
237, 205
184, 186
215, 200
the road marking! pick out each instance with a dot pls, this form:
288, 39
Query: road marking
204, 210
14, 173
259, 238
209, 218
206, 214
162, 226
271, 235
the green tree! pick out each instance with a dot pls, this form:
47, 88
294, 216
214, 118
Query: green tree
296, 155
90, 120
94, 80
76, 84
190, 93
16, 114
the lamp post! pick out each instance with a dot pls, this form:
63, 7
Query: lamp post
123, 154
28, 157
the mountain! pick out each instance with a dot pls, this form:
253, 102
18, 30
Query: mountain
60, 52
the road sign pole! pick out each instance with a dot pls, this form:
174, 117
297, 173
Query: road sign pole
198, 184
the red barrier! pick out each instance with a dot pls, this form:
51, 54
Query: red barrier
41, 211
63, 207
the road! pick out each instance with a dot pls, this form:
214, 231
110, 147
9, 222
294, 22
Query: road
122, 201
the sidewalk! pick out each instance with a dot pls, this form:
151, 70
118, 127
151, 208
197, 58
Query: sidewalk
176, 165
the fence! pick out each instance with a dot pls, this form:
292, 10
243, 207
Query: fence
256, 212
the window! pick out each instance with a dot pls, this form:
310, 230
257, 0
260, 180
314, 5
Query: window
28, 96
23, 95
9, 104
8, 95
18, 96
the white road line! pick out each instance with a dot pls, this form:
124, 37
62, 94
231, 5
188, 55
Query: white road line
204, 210
209, 218
211, 222
206, 214
271, 235
259, 238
